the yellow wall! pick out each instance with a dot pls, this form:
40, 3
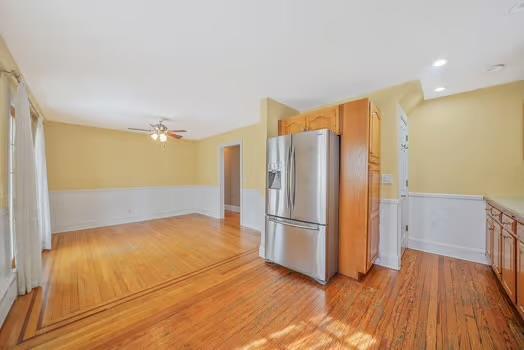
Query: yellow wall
80, 157
253, 139
388, 100
470, 143
275, 111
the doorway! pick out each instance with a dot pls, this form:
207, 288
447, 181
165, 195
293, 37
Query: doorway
404, 180
231, 184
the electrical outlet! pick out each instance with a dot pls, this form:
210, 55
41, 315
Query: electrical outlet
387, 179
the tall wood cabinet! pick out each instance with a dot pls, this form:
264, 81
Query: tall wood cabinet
359, 199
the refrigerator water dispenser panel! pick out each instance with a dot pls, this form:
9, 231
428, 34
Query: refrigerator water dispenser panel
273, 179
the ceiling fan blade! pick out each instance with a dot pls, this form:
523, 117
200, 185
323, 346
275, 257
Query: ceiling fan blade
175, 136
139, 129
178, 130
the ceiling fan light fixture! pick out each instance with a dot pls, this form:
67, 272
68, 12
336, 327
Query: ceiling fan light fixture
440, 62
154, 136
163, 137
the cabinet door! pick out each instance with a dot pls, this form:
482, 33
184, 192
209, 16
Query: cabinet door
490, 235
520, 278
292, 125
327, 118
374, 214
497, 237
508, 264
374, 135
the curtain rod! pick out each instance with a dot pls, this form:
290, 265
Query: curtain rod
16, 75
13, 73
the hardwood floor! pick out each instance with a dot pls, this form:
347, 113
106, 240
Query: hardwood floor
212, 291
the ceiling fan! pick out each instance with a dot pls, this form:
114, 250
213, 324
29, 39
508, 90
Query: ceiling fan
160, 132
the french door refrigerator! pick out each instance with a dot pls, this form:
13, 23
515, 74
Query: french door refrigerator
302, 203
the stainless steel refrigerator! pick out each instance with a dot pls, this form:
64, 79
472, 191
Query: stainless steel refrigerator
302, 203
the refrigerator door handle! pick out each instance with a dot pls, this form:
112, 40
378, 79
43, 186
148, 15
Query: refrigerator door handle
288, 223
293, 176
288, 178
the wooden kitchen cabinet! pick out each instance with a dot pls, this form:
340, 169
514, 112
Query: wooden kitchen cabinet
374, 214
326, 118
490, 235
359, 195
374, 135
508, 268
520, 277
497, 250
505, 248
292, 125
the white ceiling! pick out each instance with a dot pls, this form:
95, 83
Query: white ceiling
206, 63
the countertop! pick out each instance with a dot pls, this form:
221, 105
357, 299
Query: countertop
514, 205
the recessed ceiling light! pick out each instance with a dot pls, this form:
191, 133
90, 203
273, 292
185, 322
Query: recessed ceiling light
440, 62
440, 89
495, 68
518, 7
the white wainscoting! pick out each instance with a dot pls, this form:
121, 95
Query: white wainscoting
389, 248
448, 224
82, 209
8, 289
206, 200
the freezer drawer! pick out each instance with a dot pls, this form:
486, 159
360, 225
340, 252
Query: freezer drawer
298, 246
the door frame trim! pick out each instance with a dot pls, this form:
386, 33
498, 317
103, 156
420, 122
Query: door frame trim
404, 197
221, 206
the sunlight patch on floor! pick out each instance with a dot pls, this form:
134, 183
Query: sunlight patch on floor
319, 332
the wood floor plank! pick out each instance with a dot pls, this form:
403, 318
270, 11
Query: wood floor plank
197, 283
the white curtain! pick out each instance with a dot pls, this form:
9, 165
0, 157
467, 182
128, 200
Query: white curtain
27, 234
44, 216
5, 236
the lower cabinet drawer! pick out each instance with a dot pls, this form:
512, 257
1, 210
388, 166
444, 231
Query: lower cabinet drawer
508, 223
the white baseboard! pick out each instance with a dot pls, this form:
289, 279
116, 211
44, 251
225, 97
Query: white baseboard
233, 208
448, 224
391, 262
8, 293
453, 251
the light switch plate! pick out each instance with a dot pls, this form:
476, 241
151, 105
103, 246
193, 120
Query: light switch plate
387, 179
